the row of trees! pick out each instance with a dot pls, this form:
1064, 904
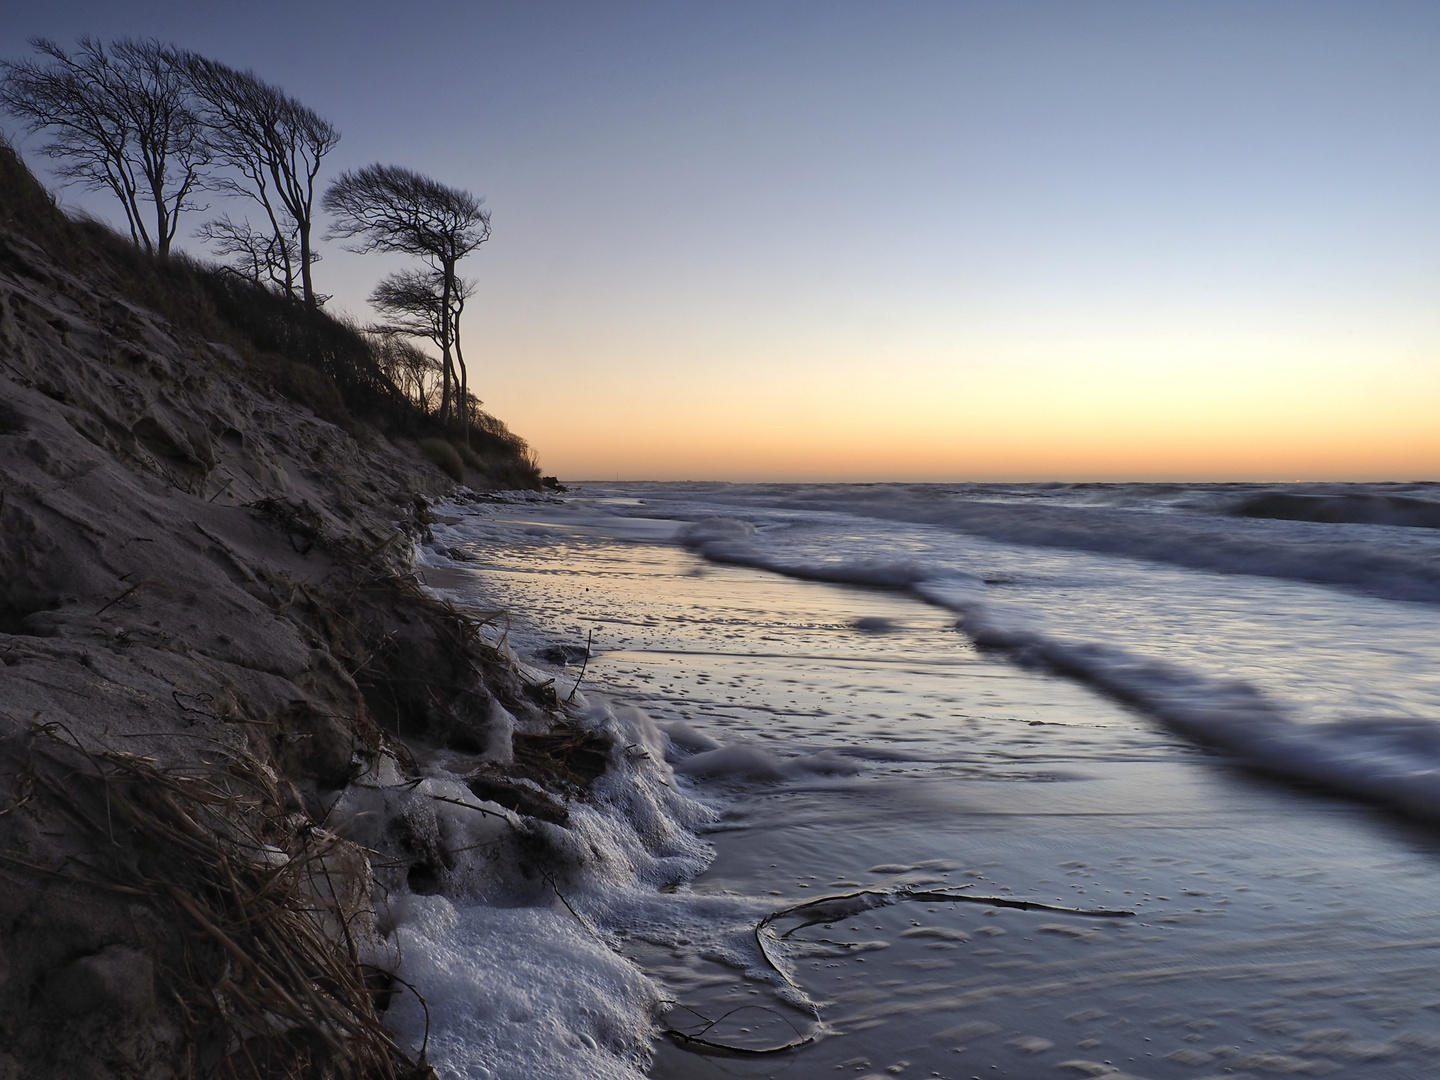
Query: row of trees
156, 125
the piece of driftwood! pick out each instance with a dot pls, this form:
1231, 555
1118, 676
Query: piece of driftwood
827, 909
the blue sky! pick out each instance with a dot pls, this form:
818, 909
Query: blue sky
911, 240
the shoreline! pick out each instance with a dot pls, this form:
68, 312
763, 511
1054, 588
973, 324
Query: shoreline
258, 786
209, 628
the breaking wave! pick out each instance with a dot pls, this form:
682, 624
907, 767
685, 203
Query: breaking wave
1274, 537
1391, 761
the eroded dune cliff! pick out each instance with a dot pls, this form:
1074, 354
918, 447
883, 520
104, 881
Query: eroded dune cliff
207, 625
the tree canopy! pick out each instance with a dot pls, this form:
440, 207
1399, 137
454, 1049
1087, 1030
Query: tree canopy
275, 146
154, 124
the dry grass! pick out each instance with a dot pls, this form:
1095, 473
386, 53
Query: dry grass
266, 976
444, 455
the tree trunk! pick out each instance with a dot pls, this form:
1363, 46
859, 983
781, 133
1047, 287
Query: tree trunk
305, 285
445, 361
162, 234
464, 387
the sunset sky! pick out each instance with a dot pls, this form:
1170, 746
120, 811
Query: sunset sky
864, 241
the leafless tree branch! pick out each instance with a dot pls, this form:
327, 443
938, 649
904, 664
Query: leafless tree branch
275, 145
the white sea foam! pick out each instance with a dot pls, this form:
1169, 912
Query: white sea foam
517, 991
517, 961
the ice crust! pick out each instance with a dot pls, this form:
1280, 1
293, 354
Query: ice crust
521, 971
517, 961
496, 1006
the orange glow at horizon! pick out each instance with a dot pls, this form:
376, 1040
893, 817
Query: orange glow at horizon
741, 456
1301, 416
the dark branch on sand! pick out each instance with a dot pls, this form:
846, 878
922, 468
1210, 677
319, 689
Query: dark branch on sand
828, 909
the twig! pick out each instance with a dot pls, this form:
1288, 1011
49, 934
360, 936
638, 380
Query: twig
685, 1039
469, 806
133, 588
583, 666
578, 917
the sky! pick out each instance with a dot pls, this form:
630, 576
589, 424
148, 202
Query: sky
899, 241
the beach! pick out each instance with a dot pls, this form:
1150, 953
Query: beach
847, 737
1007, 647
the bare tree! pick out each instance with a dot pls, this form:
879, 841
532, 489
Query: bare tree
406, 365
275, 144
390, 208
119, 120
415, 302
262, 258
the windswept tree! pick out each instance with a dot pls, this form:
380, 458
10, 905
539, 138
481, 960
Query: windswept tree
275, 145
414, 301
118, 120
406, 365
391, 208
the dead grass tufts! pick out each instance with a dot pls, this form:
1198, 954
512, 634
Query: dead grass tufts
266, 976
302, 526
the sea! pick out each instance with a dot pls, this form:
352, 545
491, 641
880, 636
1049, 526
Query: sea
951, 780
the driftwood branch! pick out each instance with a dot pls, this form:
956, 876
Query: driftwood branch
827, 909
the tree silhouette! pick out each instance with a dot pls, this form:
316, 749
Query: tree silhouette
119, 120
405, 365
414, 301
275, 144
391, 208
264, 259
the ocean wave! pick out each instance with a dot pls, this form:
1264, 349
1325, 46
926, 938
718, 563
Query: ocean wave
1352, 509
1391, 761
1403, 566
729, 541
